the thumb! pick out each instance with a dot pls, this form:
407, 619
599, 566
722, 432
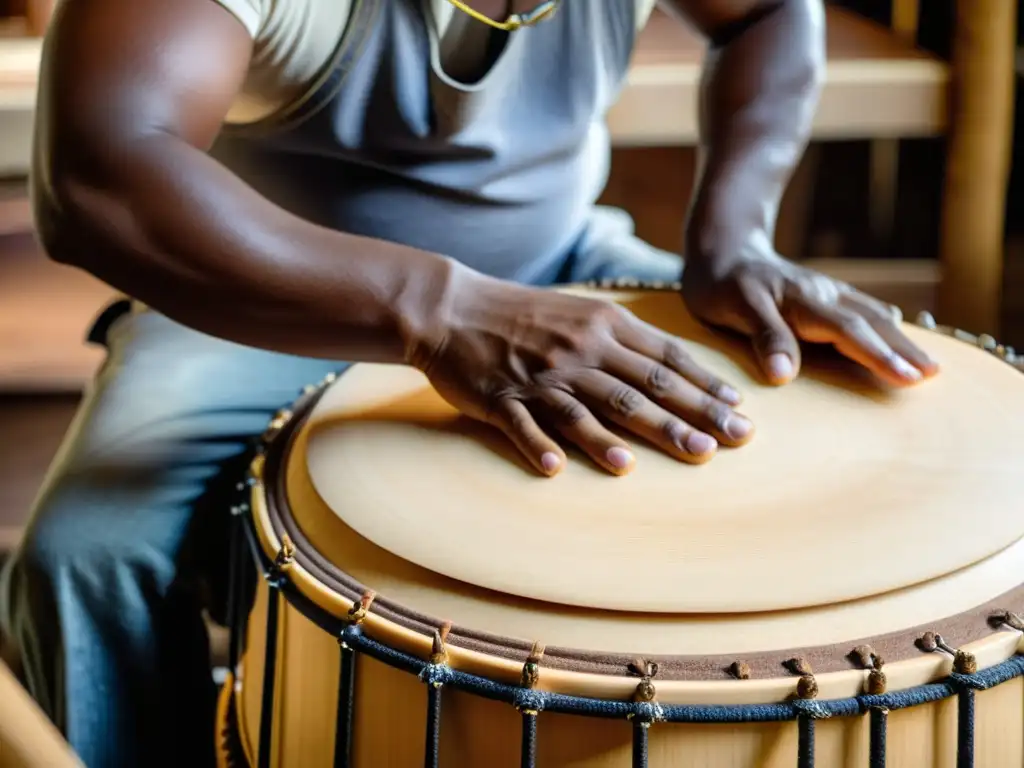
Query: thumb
775, 344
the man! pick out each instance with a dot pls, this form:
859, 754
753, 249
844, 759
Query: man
392, 176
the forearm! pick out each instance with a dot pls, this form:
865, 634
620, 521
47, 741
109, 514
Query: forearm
170, 226
758, 96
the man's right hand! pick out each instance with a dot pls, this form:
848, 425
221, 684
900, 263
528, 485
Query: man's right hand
532, 361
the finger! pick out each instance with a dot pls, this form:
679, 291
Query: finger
775, 344
870, 307
679, 396
664, 348
853, 336
514, 419
582, 428
628, 407
908, 350
887, 320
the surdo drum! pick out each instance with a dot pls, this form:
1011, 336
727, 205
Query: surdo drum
845, 590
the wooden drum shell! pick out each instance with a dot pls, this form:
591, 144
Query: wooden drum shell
390, 717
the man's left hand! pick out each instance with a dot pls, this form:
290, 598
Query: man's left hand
778, 304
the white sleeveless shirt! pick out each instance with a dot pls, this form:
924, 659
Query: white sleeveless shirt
294, 39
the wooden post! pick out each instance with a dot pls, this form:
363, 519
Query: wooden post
978, 164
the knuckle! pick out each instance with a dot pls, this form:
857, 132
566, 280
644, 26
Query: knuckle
496, 410
716, 412
716, 387
675, 354
570, 413
583, 346
626, 401
603, 317
658, 380
551, 379
520, 420
612, 312
674, 431
854, 325
889, 314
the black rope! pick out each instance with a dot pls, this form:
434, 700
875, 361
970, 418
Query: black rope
269, 674
346, 708
235, 567
805, 749
965, 729
879, 729
640, 744
433, 746
528, 757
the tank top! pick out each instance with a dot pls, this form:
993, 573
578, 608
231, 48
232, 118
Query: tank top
501, 173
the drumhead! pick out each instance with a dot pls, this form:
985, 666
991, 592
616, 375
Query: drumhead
848, 491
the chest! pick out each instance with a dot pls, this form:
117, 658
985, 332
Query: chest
442, 77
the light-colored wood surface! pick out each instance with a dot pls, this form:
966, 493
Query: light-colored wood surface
978, 164
19, 71
877, 85
19, 66
27, 738
830, 449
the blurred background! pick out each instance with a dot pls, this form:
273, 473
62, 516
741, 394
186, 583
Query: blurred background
910, 190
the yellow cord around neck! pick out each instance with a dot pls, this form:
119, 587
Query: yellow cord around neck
516, 20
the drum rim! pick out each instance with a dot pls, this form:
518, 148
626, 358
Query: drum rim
336, 595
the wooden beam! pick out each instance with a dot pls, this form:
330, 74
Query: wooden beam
978, 164
878, 84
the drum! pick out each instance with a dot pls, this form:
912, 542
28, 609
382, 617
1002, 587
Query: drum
845, 590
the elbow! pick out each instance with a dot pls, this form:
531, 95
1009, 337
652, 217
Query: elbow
48, 221
65, 223
52, 214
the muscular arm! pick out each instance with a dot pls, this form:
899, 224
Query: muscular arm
132, 95
758, 96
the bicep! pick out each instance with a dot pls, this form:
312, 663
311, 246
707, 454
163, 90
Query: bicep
115, 71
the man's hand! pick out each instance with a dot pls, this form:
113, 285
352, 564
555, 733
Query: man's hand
778, 303
533, 361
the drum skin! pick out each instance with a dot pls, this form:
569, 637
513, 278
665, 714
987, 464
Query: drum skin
391, 705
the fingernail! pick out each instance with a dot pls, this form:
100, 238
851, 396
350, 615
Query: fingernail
550, 462
737, 427
699, 444
619, 458
779, 366
729, 395
905, 369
